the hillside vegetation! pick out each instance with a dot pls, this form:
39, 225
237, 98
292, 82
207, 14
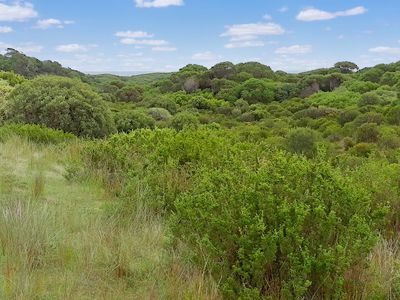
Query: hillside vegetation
234, 182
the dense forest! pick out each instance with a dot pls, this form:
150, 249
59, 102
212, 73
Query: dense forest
266, 184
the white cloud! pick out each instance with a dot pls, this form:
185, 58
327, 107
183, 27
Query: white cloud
158, 3
283, 9
73, 48
27, 48
205, 56
17, 12
129, 41
245, 44
295, 49
294, 64
5, 29
164, 49
49, 23
134, 34
385, 50
253, 29
267, 17
313, 14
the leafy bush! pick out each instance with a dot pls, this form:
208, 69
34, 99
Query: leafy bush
393, 115
159, 114
184, 120
370, 98
34, 133
368, 133
130, 120
12, 78
340, 98
60, 103
130, 93
257, 90
283, 226
303, 141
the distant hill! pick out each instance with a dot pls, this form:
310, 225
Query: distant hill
30, 67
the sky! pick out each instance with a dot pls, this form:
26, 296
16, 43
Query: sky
142, 36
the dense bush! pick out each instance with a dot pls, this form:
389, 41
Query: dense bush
60, 103
34, 133
283, 227
257, 90
130, 120
303, 141
184, 120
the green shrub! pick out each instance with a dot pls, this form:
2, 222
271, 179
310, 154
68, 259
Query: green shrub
130, 120
393, 115
12, 78
303, 141
257, 90
60, 103
159, 114
368, 133
130, 93
34, 133
183, 120
363, 149
283, 227
339, 98
370, 98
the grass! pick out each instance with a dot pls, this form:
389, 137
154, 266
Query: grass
61, 239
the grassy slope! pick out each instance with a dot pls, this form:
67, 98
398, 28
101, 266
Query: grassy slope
58, 240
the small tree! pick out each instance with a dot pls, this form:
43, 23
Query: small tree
60, 103
346, 66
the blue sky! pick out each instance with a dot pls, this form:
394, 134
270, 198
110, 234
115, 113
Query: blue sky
140, 36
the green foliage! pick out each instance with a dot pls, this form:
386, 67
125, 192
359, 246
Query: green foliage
361, 87
130, 93
60, 103
303, 141
340, 98
184, 120
130, 120
12, 78
255, 70
280, 226
373, 75
257, 90
393, 115
346, 66
159, 114
369, 98
34, 133
368, 133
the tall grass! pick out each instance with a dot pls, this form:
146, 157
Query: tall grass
66, 240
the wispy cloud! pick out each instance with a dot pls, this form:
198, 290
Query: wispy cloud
205, 56
164, 49
245, 44
5, 29
133, 34
247, 35
313, 14
50, 23
74, 48
385, 50
158, 3
129, 41
295, 49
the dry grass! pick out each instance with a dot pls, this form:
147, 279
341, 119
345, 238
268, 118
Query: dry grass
60, 240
